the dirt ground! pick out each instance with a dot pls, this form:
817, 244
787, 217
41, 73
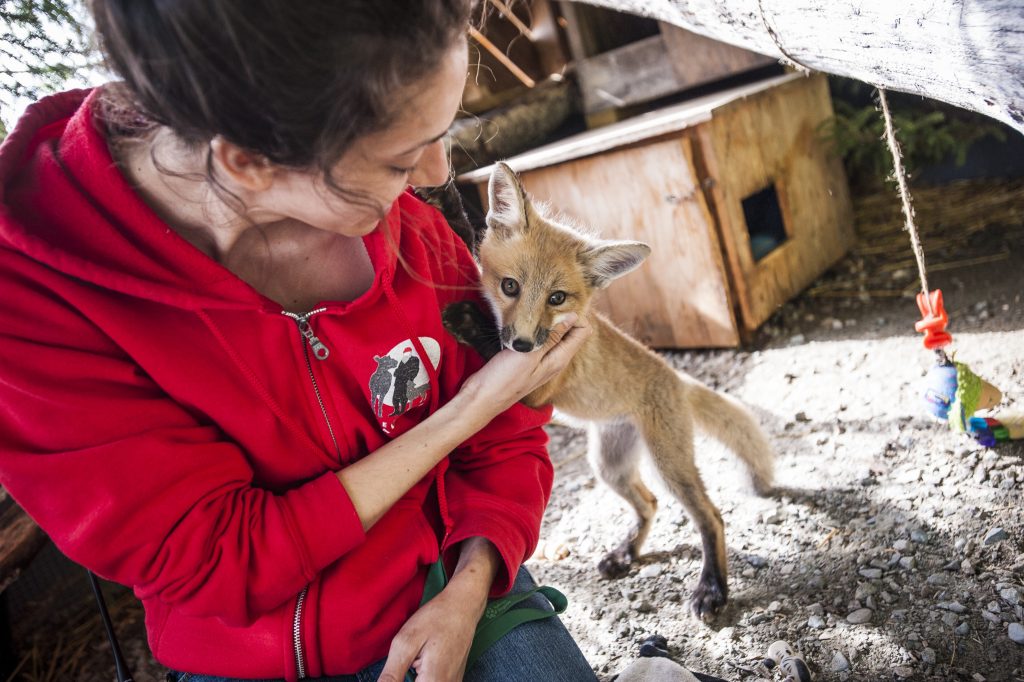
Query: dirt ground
878, 507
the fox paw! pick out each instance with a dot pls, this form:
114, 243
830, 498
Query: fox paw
708, 599
615, 564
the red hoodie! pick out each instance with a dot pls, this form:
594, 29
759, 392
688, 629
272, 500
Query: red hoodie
176, 431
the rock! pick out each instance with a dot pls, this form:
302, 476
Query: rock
759, 618
871, 573
991, 617
903, 672
928, 656
1016, 632
859, 616
919, 536
816, 622
995, 535
955, 607
645, 607
839, 663
938, 579
962, 630
1010, 595
756, 561
908, 562
650, 571
900, 545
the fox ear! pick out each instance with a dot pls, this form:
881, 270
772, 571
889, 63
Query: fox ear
506, 200
607, 261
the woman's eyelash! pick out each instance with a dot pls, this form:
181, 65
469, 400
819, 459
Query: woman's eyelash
398, 170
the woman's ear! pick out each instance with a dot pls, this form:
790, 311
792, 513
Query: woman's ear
248, 170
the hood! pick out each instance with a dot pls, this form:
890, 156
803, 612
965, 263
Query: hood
65, 204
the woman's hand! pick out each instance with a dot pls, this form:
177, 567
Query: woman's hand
509, 376
435, 641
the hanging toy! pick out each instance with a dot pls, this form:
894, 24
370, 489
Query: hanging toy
953, 393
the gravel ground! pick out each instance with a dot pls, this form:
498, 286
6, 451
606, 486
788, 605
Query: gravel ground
878, 558
893, 549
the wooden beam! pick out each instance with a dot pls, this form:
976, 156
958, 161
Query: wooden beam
501, 57
513, 19
963, 52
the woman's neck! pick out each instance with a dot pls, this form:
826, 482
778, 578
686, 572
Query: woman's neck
172, 179
288, 261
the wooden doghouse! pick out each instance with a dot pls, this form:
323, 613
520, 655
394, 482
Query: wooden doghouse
742, 204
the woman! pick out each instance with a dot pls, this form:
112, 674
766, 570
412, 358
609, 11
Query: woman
214, 282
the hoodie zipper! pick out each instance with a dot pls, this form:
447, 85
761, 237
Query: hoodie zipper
300, 658
320, 352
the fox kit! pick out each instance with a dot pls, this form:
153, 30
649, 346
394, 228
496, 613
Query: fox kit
534, 271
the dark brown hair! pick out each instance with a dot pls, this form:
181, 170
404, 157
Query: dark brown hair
297, 82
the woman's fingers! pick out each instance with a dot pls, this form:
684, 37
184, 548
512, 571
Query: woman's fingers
400, 657
564, 342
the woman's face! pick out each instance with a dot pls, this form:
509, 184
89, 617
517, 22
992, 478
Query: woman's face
380, 165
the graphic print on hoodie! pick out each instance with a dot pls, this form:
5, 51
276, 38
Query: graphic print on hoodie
401, 382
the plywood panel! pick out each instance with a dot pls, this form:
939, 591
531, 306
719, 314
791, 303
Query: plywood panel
773, 137
649, 192
697, 60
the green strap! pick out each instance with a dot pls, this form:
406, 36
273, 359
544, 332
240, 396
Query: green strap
490, 630
499, 617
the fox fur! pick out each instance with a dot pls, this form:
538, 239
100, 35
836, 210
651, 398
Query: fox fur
534, 270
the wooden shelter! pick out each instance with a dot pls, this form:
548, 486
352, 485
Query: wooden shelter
741, 204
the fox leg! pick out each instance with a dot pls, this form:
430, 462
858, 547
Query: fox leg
670, 442
614, 455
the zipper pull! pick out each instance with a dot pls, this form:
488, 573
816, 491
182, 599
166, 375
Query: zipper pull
320, 351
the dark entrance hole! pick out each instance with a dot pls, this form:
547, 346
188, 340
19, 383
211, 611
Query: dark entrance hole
764, 221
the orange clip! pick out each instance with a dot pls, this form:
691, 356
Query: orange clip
933, 320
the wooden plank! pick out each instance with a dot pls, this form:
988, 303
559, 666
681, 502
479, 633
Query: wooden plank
649, 192
552, 56
698, 60
645, 127
963, 52
772, 138
638, 72
20, 540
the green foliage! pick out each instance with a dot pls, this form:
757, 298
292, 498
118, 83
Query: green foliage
928, 133
43, 44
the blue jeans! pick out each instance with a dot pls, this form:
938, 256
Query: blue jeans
534, 651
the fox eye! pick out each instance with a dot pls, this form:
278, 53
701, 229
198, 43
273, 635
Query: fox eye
557, 298
510, 287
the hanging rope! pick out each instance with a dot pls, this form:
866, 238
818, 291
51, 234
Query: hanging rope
901, 181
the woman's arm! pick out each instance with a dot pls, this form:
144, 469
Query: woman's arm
377, 481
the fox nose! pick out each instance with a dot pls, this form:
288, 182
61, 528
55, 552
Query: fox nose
522, 345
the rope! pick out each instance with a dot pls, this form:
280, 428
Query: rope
786, 58
901, 181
